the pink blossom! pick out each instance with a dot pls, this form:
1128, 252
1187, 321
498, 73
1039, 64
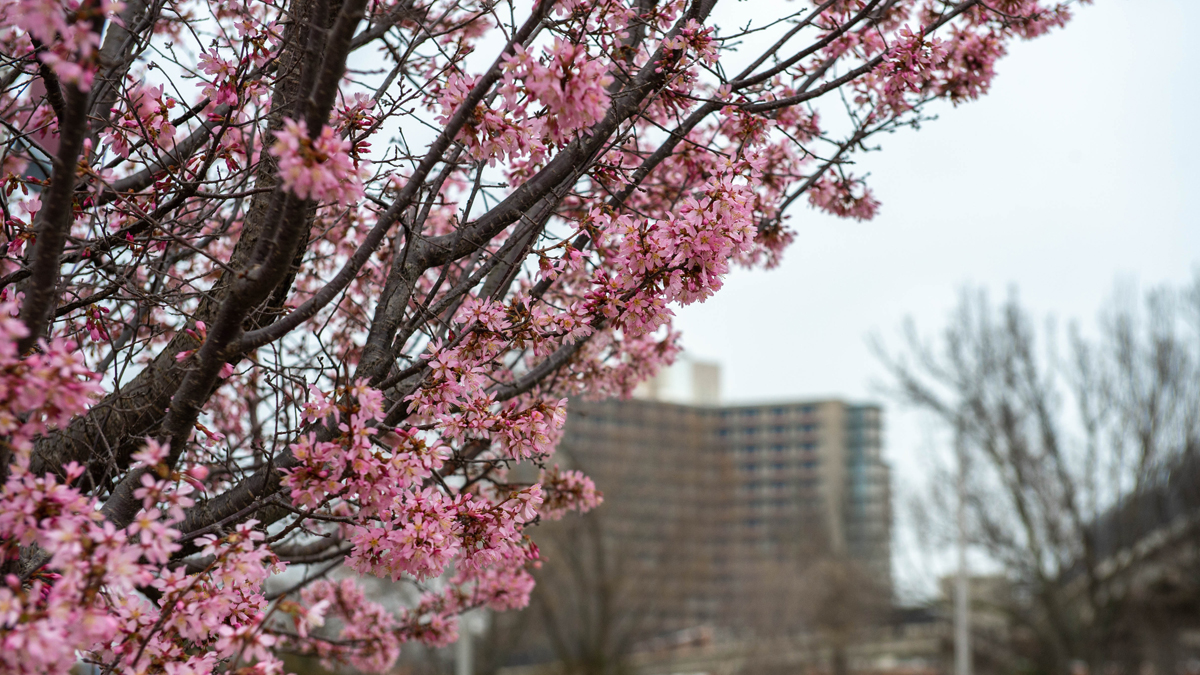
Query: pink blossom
316, 168
567, 491
845, 197
568, 81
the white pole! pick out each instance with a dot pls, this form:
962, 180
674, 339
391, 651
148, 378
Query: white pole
462, 651
962, 618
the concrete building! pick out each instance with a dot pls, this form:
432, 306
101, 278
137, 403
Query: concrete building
814, 466
702, 498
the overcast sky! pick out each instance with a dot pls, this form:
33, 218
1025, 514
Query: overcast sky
1078, 169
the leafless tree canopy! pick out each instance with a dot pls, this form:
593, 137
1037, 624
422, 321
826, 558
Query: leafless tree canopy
1082, 463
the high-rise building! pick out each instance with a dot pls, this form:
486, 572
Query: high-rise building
814, 467
699, 495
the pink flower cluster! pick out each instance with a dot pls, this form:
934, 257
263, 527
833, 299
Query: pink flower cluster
681, 258
221, 88
570, 83
498, 588
316, 168
370, 636
69, 45
407, 526
970, 64
44, 621
148, 117
412, 535
910, 68
82, 597
458, 401
846, 197
88, 604
697, 39
489, 134
567, 491
221, 610
42, 390
366, 624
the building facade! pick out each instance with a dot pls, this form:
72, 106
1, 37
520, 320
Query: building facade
714, 505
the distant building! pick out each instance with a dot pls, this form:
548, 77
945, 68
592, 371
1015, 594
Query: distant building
703, 494
686, 381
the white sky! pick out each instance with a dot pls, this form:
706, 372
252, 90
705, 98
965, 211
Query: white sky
1078, 169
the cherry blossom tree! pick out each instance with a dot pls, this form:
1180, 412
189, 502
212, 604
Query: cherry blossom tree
294, 284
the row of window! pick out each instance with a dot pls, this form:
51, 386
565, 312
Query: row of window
752, 449
777, 429
855, 426
755, 412
781, 503
755, 486
779, 466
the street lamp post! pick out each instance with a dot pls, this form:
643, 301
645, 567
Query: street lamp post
962, 609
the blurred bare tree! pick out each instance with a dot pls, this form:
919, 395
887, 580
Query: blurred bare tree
638, 567
807, 597
592, 601
1083, 472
